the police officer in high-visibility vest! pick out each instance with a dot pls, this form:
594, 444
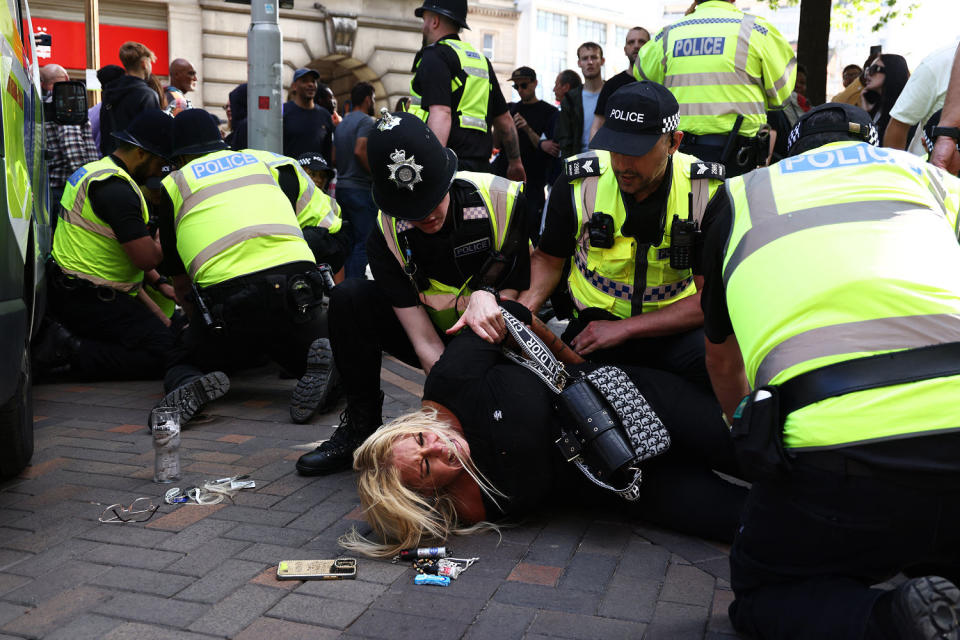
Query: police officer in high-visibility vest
832, 292
97, 328
726, 69
240, 263
448, 245
622, 219
455, 91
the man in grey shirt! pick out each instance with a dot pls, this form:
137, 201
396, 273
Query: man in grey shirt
353, 175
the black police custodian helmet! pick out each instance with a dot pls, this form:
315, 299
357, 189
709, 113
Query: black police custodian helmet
411, 170
456, 10
844, 122
151, 131
196, 132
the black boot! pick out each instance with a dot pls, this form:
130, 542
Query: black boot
53, 349
926, 608
363, 415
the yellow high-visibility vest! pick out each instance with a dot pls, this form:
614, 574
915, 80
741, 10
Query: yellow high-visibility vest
471, 111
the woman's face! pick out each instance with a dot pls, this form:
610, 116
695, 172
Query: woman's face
426, 459
876, 75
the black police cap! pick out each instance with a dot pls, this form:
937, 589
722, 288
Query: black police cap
850, 120
411, 170
151, 131
196, 132
637, 116
456, 10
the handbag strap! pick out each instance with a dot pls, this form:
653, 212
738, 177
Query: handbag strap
535, 355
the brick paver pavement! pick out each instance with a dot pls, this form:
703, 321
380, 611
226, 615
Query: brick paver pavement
209, 571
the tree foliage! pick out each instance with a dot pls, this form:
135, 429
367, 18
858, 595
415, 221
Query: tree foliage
845, 12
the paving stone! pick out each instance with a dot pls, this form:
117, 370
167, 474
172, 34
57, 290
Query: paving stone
222, 581
207, 557
142, 581
380, 571
135, 536
285, 630
556, 543
501, 621
687, 585
322, 516
441, 605
184, 516
719, 618
269, 535
139, 631
196, 535
349, 590
674, 621
51, 613
535, 574
54, 557
137, 557
608, 538
252, 515
717, 567
588, 572
10, 611
50, 536
88, 626
557, 624
325, 612
630, 598
643, 560
268, 578
153, 609
531, 595
309, 496
390, 625
49, 584
9, 582
692, 549
232, 614
273, 554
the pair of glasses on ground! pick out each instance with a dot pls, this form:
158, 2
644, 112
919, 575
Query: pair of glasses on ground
874, 68
140, 510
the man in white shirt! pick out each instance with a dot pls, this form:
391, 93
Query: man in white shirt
921, 97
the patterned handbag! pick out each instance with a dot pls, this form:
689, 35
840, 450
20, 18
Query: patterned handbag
606, 446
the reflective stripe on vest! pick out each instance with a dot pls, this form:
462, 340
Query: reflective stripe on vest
232, 218
604, 278
471, 110
85, 246
499, 196
818, 269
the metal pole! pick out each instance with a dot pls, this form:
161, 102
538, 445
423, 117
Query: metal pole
91, 17
264, 84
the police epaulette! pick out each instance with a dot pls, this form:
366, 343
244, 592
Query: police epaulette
582, 167
701, 170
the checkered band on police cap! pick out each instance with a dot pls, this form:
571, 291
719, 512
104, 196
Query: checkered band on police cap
864, 129
671, 123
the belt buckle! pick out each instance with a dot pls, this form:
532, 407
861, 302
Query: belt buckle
106, 294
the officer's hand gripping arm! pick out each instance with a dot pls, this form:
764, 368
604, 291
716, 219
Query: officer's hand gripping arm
423, 336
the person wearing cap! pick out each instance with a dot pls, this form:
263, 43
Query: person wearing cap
239, 262
849, 343
307, 126
726, 68
455, 91
101, 249
613, 218
535, 120
448, 244
636, 38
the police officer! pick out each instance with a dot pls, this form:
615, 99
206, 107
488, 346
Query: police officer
238, 255
850, 344
726, 69
100, 252
449, 243
618, 220
455, 90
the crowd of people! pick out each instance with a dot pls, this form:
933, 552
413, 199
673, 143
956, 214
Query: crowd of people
730, 255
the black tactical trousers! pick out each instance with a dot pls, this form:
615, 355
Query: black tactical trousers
254, 322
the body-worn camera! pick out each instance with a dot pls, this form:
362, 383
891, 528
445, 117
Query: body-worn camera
601, 229
684, 235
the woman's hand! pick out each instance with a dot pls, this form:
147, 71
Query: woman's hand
483, 316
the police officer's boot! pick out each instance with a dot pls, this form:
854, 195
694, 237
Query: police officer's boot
926, 608
191, 396
53, 349
363, 415
313, 390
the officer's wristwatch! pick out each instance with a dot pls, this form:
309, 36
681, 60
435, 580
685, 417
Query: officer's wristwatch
950, 132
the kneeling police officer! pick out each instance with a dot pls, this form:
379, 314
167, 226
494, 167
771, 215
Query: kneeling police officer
449, 244
235, 250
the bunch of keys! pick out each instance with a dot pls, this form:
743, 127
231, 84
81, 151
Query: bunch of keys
449, 568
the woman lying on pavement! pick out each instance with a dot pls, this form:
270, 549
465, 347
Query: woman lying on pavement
482, 449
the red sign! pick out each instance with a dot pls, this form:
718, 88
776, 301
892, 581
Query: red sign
68, 46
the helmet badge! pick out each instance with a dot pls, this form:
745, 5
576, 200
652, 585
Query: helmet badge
387, 120
404, 172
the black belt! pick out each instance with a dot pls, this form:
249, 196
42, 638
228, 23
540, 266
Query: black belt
872, 372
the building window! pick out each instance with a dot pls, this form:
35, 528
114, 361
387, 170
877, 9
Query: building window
592, 31
488, 45
622, 34
552, 56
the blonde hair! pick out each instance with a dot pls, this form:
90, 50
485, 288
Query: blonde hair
401, 516
131, 53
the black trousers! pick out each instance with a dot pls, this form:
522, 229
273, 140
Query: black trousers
362, 326
810, 546
120, 339
682, 354
258, 325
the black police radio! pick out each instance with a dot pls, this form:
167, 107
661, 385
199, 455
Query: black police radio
684, 238
601, 229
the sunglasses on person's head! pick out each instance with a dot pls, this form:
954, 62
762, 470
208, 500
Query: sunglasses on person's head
875, 68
